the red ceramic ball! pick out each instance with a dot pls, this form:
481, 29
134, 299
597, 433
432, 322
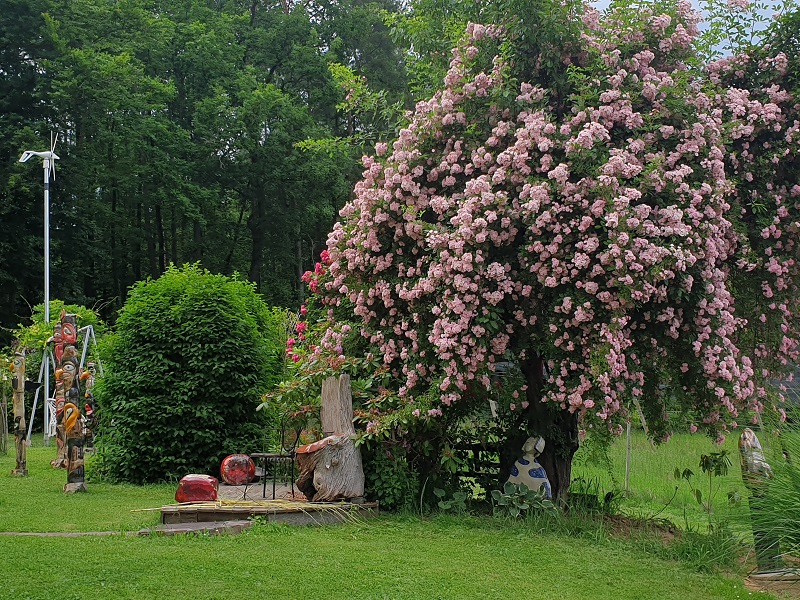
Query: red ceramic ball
237, 469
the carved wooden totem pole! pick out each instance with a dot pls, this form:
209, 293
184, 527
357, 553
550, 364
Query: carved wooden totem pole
331, 469
69, 428
18, 384
88, 378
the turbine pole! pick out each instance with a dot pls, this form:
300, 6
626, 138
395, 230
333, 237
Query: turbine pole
49, 165
45, 357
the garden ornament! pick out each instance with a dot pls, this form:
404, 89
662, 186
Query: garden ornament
527, 470
18, 384
70, 423
331, 469
755, 472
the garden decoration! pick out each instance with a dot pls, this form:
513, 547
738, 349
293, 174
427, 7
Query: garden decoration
69, 423
88, 377
3, 417
755, 472
527, 470
18, 384
73, 432
197, 488
237, 469
331, 468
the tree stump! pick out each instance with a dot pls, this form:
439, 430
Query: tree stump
331, 469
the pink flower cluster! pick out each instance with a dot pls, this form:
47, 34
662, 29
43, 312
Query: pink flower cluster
607, 240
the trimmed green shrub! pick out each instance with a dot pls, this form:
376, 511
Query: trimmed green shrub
192, 354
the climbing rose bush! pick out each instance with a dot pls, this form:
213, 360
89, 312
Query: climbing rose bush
638, 241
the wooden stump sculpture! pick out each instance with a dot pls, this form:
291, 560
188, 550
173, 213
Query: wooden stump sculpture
331, 469
18, 385
755, 472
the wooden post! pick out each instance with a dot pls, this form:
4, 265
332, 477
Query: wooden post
3, 419
628, 457
331, 469
18, 384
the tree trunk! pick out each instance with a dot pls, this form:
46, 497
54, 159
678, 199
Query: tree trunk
197, 236
151, 243
257, 225
162, 245
173, 230
137, 247
331, 469
299, 250
557, 426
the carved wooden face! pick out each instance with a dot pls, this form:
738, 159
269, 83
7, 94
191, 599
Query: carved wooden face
18, 366
88, 377
69, 353
69, 333
71, 416
68, 374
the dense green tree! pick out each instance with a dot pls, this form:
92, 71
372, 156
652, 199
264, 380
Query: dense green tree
161, 109
21, 114
191, 356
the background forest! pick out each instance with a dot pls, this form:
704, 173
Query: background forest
180, 126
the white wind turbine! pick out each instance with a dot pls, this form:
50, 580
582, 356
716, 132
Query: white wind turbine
49, 159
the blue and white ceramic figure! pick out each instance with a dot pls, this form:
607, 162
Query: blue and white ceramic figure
527, 469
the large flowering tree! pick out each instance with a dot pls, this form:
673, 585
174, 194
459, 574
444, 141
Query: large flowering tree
627, 239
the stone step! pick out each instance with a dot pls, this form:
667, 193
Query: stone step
208, 528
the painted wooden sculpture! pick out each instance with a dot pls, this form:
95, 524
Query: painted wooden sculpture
88, 377
69, 420
755, 472
527, 470
331, 468
18, 384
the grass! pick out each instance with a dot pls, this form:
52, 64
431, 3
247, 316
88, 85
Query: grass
394, 557
653, 485
37, 502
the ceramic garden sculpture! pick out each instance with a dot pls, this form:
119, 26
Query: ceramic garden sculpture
527, 470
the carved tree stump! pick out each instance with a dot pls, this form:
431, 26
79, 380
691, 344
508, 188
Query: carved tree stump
331, 469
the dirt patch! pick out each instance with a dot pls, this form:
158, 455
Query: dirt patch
789, 589
623, 526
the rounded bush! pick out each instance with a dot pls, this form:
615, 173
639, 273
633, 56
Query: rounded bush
191, 356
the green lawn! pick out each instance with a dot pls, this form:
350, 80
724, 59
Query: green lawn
652, 481
37, 502
390, 557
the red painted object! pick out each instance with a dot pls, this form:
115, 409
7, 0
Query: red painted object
237, 469
197, 488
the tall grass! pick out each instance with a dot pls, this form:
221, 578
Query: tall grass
779, 504
654, 491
